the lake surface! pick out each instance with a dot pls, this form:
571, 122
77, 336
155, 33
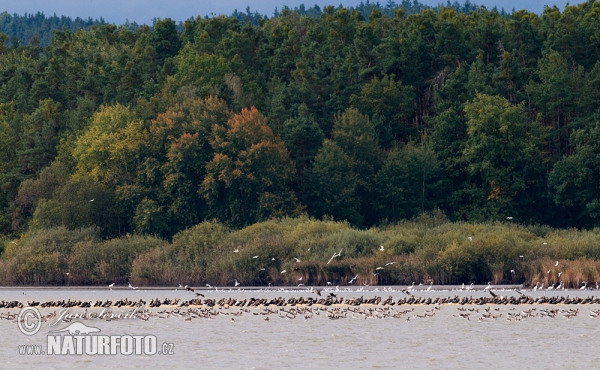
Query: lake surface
424, 337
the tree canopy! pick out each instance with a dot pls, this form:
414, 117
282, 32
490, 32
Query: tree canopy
371, 114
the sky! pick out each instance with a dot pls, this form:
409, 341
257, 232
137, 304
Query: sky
143, 11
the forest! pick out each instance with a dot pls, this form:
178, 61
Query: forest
132, 148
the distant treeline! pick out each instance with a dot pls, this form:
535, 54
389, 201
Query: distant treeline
39, 29
305, 251
153, 130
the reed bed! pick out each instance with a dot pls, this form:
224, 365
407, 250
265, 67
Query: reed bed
302, 250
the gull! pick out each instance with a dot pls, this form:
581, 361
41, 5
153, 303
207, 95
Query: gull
110, 286
91, 200
297, 260
509, 218
560, 273
236, 250
308, 250
283, 272
255, 257
513, 271
273, 259
544, 243
131, 286
208, 285
352, 280
556, 264
236, 282
470, 238
300, 278
335, 255
381, 248
379, 268
390, 263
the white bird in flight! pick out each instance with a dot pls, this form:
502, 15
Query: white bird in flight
236, 282
381, 248
236, 250
283, 272
110, 286
297, 260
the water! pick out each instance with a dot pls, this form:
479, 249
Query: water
445, 340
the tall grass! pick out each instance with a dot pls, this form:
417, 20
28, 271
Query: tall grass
428, 248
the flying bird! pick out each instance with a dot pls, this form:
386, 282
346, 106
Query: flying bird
236, 282
236, 250
297, 260
381, 248
318, 291
110, 286
188, 288
283, 272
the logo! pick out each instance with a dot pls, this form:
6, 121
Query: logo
29, 320
77, 328
81, 339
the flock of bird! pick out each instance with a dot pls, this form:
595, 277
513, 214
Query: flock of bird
267, 312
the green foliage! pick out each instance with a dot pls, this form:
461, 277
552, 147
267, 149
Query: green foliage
248, 118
